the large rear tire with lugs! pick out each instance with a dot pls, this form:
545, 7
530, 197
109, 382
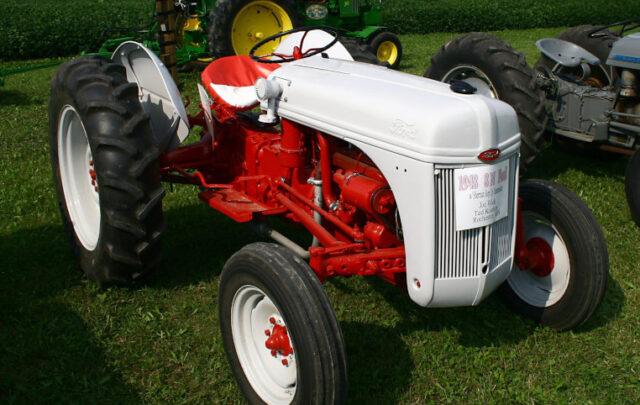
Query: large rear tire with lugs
632, 186
280, 333
565, 288
105, 170
496, 70
235, 26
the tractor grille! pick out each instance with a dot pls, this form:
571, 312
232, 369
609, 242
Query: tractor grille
461, 254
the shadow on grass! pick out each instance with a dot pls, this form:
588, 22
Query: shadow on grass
380, 366
48, 354
12, 97
197, 243
489, 324
51, 356
558, 158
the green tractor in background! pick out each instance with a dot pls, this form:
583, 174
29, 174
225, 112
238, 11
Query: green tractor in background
236, 25
205, 29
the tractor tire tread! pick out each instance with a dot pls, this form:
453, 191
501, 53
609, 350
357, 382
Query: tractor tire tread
131, 126
589, 258
126, 164
282, 267
515, 85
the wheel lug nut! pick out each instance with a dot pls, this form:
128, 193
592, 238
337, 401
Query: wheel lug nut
285, 362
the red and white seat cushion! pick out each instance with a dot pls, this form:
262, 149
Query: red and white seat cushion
230, 80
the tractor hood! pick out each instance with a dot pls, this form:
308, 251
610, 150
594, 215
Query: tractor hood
419, 118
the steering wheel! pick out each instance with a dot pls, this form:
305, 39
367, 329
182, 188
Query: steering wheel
274, 57
627, 25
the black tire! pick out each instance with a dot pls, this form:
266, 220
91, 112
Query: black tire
379, 43
123, 245
580, 272
600, 46
509, 75
221, 19
361, 51
632, 186
300, 302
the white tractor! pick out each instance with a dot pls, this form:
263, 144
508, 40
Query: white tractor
396, 176
584, 90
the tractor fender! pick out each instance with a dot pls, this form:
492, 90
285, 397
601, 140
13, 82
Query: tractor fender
158, 94
625, 52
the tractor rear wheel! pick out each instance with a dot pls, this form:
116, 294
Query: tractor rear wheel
570, 287
632, 186
235, 26
105, 169
600, 46
280, 333
498, 71
387, 48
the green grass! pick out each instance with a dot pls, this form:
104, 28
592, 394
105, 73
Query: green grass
64, 341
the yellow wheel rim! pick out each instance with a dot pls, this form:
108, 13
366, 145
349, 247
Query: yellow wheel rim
186, 24
255, 22
387, 52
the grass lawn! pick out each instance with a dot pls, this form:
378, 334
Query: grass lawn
64, 341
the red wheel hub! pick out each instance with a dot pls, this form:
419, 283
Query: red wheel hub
540, 257
278, 341
536, 254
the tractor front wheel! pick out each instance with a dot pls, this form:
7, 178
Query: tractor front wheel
105, 169
280, 333
566, 291
235, 26
498, 71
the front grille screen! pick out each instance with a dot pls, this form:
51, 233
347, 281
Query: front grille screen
461, 254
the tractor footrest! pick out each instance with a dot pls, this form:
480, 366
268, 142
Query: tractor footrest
233, 203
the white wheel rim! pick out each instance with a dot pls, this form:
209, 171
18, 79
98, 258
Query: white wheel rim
474, 77
542, 292
251, 311
76, 171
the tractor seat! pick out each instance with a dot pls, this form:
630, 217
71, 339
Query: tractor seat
230, 80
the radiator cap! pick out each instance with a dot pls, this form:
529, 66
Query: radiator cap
462, 87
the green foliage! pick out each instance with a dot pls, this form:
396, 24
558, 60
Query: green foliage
36, 29
424, 16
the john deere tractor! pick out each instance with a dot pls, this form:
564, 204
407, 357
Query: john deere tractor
201, 29
236, 25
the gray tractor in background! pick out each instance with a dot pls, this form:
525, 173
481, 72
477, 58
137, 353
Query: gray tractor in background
583, 92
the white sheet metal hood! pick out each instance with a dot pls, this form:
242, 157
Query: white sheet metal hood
416, 117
